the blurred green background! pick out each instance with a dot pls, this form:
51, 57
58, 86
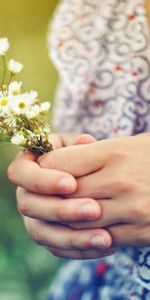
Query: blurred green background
26, 269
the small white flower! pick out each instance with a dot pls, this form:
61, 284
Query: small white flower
44, 107
18, 139
33, 112
46, 129
4, 105
31, 135
15, 88
18, 105
23, 104
4, 46
10, 121
32, 96
14, 67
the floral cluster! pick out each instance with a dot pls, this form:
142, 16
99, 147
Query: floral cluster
22, 115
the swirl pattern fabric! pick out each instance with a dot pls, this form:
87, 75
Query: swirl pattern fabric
102, 52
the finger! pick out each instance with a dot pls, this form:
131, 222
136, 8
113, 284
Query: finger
81, 254
78, 161
120, 210
96, 185
103, 183
85, 139
56, 140
130, 235
25, 172
56, 209
113, 211
63, 237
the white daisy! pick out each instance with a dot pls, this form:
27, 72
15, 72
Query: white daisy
4, 105
44, 107
32, 96
4, 46
15, 88
14, 67
23, 103
33, 112
18, 139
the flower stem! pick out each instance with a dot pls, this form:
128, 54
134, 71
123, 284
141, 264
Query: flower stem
5, 70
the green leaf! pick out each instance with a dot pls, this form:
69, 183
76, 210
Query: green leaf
4, 138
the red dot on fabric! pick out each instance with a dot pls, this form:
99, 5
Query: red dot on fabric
132, 17
60, 44
118, 68
135, 74
116, 130
98, 104
101, 268
92, 89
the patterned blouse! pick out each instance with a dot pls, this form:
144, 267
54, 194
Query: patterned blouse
101, 49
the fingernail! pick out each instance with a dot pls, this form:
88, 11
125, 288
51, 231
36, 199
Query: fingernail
88, 211
98, 241
66, 185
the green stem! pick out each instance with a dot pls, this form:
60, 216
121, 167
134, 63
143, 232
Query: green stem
5, 70
9, 81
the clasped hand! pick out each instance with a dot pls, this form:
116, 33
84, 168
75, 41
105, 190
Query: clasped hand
82, 201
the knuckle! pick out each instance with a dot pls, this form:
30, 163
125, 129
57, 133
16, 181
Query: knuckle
76, 241
10, 173
124, 184
140, 210
39, 185
118, 154
34, 230
61, 213
22, 203
22, 207
118, 185
19, 192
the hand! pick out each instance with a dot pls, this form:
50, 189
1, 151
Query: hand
68, 139
41, 208
116, 172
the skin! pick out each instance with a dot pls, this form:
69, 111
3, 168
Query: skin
93, 180
59, 239
126, 190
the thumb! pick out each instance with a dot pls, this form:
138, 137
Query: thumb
77, 160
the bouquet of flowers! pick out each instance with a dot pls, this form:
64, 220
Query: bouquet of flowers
22, 115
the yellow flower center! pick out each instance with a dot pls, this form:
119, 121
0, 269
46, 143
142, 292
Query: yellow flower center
4, 101
22, 105
16, 92
38, 131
